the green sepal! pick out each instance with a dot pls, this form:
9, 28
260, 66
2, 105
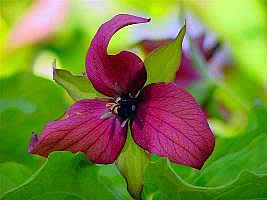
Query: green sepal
131, 164
163, 62
77, 86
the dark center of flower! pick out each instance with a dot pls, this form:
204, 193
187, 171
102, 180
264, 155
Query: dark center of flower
125, 106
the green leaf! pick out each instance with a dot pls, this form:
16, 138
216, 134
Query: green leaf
163, 62
256, 126
161, 182
64, 176
12, 175
262, 169
27, 103
131, 164
225, 169
115, 181
77, 86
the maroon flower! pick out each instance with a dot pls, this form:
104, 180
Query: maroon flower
164, 119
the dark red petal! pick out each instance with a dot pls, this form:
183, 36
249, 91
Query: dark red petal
114, 74
169, 122
82, 129
187, 73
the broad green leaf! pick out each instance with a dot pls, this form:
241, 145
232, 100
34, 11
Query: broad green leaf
27, 103
12, 175
77, 86
262, 169
64, 176
186, 173
227, 168
115, 181
161, 182
131, 164
256, 126
163, 62
257, 119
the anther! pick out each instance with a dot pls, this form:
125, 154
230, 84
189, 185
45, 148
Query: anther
109, 105
113, 107
118, 99
124, 106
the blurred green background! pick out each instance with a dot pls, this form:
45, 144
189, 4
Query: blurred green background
34, 33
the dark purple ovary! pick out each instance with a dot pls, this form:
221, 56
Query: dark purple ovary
128, 105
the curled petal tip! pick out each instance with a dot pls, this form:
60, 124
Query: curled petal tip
108, 73
147, 19
139, 19
33, 142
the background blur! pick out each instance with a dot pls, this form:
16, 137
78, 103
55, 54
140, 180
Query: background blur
34, 33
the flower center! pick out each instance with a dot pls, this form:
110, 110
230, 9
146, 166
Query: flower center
124, 106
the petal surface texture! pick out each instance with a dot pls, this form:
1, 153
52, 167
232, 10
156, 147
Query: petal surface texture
169, 123
114, 74
81, 129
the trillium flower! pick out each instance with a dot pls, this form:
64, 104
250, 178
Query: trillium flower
164, 119
186, 74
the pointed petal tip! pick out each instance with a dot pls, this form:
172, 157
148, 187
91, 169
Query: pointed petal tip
141, 19
147, 20
33, 142
83, 131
